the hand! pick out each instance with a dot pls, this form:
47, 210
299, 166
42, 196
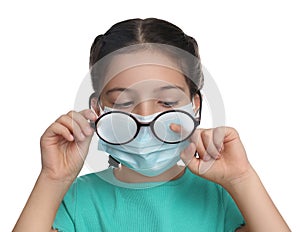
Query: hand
222, 157
65, 144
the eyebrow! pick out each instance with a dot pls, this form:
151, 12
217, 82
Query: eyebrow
118, 89
166, 87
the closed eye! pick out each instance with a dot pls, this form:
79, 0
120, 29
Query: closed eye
168, 104
123, 105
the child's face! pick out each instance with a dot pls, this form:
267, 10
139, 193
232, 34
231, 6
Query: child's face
146, 89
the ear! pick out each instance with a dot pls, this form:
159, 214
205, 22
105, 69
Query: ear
197, 103
93, 103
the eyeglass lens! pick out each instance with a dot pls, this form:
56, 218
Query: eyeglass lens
116, 128
163, 131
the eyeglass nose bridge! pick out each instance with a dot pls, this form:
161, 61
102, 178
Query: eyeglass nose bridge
140, 124
143, 124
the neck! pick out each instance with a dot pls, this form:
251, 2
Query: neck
127, 175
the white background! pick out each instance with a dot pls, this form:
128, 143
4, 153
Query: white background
251, 48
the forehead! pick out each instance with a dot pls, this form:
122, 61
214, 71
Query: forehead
144, 70
147, 76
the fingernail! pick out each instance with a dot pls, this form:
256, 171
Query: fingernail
71, 137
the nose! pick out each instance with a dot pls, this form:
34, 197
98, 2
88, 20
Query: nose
144, 108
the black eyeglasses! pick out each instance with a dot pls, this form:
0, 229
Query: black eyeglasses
118, 127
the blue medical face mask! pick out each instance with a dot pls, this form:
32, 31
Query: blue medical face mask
145, 154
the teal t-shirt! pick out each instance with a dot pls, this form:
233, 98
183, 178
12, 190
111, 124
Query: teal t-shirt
189, 203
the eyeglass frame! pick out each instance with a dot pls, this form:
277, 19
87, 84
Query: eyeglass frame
140, 124
144, 124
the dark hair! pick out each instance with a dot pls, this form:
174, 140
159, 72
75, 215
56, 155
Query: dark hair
142, 31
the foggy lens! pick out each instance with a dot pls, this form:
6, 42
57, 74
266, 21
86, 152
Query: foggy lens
163, 131
116, 127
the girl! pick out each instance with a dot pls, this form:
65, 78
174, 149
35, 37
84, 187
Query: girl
146, 109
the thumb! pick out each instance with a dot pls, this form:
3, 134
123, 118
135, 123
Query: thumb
83, 146
189, 159
196, 165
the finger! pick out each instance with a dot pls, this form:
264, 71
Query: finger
81, 119
218, 137
89, 114
207, 138
72, 126
197, 140
204, 166
193, 138
175, 127
187, 156
196, 165
180, 130
58, 129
